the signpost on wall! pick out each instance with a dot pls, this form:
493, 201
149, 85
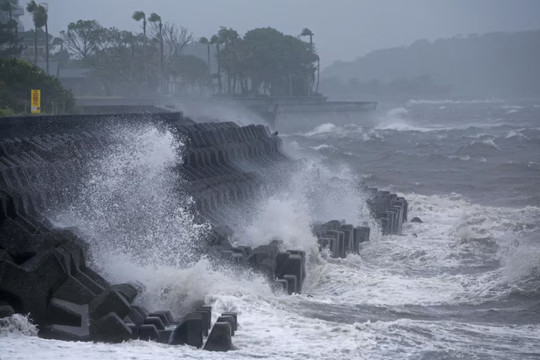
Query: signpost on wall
36, 101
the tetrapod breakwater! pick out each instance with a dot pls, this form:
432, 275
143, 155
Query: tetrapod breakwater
45, 270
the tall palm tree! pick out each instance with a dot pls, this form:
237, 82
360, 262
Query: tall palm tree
39, 17
138, 16
206, 42
215, 40
7, 5
308, 32
156, 18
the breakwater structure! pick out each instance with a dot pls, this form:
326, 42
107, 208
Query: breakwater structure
285, 114
46, 271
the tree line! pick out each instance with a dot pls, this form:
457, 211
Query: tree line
264, 62
153, 61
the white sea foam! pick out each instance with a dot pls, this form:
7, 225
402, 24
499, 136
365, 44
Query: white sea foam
397, 119
449, 101
322, 129
322, 147
517, 134
17, 325
483, 147
429, 264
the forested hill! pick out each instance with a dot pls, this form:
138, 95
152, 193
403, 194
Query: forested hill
495, 64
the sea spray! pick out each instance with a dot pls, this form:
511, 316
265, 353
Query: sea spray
17, 325
310, 193
133, 209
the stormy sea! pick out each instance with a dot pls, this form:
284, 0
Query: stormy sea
464, 283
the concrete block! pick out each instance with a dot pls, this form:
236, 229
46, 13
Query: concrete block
230, 319
128, 291
108, 301
235, 317
165, 316
154, 320
137, 315
292, 282
190, 331
110, 328
220, 337
148, 332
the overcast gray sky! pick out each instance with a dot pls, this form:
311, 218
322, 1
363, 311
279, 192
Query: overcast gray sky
344, 29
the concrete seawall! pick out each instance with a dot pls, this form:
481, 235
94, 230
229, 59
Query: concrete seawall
44, 269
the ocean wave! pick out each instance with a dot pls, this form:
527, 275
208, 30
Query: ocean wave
322, 129
485, 147
396, 119
516, 134
322, 147
449, 101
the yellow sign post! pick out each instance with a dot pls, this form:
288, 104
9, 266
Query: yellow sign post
36, 101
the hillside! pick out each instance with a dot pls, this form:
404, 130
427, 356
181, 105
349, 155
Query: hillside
495, 64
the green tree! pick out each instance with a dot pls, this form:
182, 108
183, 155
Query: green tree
308, 32
193, 73
8, 5
276, 64
18, 77
228, 57
118, 64
82, 38
10, 44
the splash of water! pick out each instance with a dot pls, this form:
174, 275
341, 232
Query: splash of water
133, 209
312, 193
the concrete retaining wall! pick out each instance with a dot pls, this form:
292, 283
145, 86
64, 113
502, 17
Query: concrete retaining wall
43, 269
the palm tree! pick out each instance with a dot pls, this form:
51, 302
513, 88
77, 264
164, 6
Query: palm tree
138, 16
215, 40
308, 32
156, 18
7, 5
206, 42
39, 17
